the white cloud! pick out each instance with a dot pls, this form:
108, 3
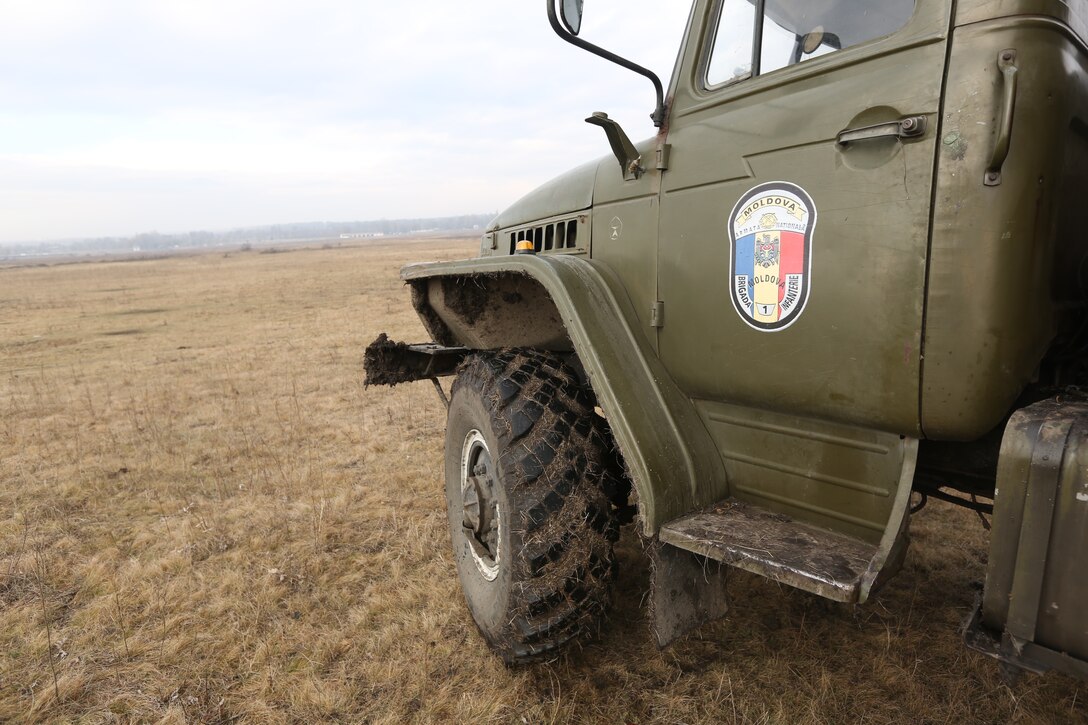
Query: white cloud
122, 116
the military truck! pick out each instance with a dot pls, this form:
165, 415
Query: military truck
849, 269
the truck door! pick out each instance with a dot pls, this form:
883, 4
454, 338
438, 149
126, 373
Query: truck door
795, 210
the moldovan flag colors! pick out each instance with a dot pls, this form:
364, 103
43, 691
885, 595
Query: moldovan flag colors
771, 234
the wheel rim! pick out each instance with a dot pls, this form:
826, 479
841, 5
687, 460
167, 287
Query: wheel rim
480, 523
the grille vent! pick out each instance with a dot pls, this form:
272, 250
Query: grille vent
548, 237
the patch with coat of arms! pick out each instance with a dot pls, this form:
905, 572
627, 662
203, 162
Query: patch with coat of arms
770, 231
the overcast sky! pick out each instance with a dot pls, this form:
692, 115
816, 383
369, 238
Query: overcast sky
125, 116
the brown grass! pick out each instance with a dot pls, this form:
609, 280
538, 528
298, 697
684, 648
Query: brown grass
204, 517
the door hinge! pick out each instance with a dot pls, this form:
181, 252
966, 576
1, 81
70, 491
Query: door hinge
664, 151
657, 314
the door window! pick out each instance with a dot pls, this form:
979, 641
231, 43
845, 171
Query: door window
793, 31
731, 58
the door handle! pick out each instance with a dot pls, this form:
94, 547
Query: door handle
906, 127
1006, 63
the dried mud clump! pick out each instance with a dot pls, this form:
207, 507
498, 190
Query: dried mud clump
385, 362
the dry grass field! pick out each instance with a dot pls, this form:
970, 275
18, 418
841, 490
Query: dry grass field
204, 517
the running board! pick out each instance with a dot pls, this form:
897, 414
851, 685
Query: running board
774, 545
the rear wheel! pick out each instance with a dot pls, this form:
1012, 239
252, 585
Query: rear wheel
528, 470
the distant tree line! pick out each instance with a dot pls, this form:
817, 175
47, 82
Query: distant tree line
153, 241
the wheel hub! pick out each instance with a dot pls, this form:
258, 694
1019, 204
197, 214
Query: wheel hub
480, 506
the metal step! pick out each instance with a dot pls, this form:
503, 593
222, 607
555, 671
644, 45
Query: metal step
775, 546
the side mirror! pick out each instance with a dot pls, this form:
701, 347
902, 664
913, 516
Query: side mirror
571, 12
567, 28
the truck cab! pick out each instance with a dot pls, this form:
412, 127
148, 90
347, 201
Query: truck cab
847, 268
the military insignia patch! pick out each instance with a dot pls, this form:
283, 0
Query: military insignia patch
770, 231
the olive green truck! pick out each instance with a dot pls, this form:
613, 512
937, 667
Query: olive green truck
850, 267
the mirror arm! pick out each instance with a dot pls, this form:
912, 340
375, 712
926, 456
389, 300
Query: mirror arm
658, 115
625, 152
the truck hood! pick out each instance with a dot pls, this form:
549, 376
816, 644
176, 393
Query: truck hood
569, 192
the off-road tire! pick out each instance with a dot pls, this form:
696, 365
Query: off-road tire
552, 469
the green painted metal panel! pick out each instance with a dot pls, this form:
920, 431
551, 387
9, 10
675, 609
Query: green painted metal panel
854, 352
840, 477
569, 192
1072, 13
625, 229
1003, 257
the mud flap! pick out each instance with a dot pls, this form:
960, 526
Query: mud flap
688, 591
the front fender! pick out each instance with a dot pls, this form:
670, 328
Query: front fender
565, 302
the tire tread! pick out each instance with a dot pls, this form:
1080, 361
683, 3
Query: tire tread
562, 478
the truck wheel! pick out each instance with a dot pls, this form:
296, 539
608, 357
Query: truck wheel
527, 467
